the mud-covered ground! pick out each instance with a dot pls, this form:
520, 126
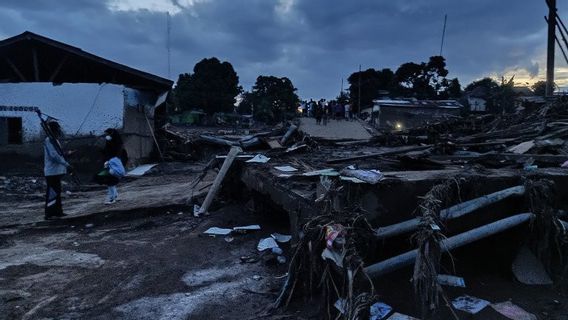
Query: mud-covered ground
160, 267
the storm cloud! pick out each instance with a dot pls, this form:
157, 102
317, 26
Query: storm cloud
315, 43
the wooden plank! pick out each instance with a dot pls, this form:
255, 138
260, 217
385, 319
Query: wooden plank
15, 69
380, 154
58, 68
35, 64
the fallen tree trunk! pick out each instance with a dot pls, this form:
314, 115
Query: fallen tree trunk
219, 179
462, 239
453, 212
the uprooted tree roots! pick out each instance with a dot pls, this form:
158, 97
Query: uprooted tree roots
428, 238
340, 276
550, 231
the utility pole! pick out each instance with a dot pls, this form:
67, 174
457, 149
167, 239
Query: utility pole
168, 30
359, 87
550, 47
443, 34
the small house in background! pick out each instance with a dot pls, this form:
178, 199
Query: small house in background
403, 114
85, 92
477, 99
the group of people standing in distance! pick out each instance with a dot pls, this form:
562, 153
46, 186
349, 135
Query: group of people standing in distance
323, 110
56, 167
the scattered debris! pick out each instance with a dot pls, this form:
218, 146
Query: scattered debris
266, 244
244, 229
379, 311
448, 280
286, 168
469, 304
512, 311
400, 316
219, 179
259, 158
215, 231
282, 238
141, 170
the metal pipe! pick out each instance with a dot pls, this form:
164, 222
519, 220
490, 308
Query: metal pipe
448, 244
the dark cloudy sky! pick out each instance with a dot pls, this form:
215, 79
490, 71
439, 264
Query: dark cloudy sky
315, 43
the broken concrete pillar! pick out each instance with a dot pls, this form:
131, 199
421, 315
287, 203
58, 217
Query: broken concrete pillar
219, 179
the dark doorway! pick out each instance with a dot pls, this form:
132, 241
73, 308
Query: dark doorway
11, 130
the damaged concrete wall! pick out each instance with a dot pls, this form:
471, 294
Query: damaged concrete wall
138, 123
98, 106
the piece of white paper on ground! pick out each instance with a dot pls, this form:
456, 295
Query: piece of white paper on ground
469, 304
266, 243
141, 170
528, 269
259, 158
448, 280
379, 311
286, 168
512, 311
400, 316
281, 237
218, 231
247, 228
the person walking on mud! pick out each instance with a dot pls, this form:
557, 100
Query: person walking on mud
55, 167
115, 158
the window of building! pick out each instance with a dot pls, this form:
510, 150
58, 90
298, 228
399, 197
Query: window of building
10, 130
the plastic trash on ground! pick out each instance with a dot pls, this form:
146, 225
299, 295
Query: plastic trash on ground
266, 244
379, 311
259, 158
341, 305
282, 238
333, 256
334, 233
469, 304
448, 280
215, 231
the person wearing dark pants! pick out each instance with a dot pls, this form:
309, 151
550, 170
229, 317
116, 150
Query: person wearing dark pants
55, 167
53, 206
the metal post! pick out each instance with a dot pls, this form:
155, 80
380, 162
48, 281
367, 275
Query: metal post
550, 47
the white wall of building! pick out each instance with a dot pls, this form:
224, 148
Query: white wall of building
476, 104
70, 103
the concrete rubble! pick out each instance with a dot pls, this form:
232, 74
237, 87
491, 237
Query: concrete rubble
454, 205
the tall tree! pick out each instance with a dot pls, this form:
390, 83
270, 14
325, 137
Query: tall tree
272, 98
454, 90
372, 82
426, 80
212, 87
539, 88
